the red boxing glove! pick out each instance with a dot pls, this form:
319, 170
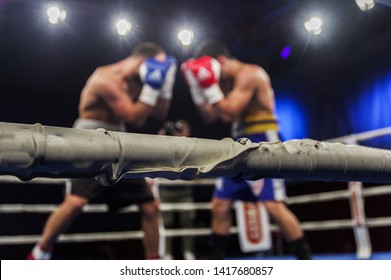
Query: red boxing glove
206, 73
206, 70
203, 73
195, 88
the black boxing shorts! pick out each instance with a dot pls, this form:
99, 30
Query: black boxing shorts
122, 194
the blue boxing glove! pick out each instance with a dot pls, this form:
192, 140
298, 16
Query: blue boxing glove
153, 74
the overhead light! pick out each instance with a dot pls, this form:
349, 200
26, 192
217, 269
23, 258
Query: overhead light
56, 15
314, 25
365, 5
123, 27
185, 37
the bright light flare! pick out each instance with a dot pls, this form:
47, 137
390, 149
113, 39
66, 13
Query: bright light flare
123, 27
185, 37
56, 15
314, 25
365, 5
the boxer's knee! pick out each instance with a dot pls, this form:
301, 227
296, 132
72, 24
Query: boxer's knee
75, 202
150, 210
221, 208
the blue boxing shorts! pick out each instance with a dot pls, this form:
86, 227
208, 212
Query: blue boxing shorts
258, 190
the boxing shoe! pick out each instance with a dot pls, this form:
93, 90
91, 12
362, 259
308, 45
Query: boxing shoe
37, 253
187, 255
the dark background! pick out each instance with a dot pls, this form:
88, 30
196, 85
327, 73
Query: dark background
332, 85
44, 67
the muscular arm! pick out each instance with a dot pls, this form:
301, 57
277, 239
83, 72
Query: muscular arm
133, 113
161, 109
252, 85
238, 99
235, 102
207, 113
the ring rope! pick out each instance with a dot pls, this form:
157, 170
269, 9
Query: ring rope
363, 136
309, 198
83, 237
125, 235
318, 225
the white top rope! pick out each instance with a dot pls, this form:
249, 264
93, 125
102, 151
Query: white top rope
358, 137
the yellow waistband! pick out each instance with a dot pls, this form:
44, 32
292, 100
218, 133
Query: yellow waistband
259, 128
253, 124
259, 118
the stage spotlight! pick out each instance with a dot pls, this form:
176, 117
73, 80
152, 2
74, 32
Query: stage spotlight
365, 5
123, 27
185, 37
314, 25
56, 15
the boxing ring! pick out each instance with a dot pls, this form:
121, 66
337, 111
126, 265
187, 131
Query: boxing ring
30, 167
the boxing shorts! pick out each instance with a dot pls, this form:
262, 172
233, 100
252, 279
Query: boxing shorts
259, 128
124, 193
